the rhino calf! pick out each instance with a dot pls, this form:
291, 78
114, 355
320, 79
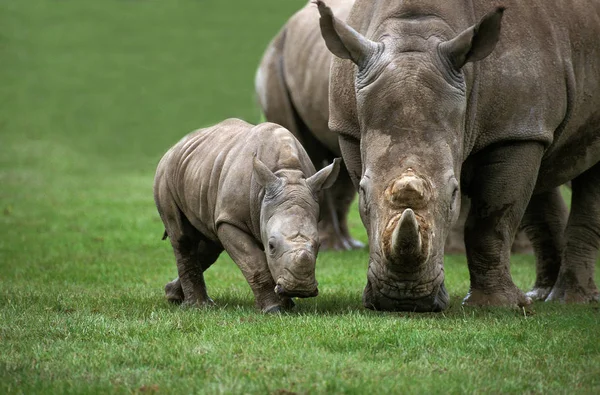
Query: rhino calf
251, 191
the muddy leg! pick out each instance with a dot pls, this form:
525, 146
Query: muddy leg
251, 260
207, 254
498, 202
455, 243
335, 204
343, 194
544, 222
575, 282
194, 254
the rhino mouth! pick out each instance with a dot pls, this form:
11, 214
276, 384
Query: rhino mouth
436, 302
286, 289
386, 292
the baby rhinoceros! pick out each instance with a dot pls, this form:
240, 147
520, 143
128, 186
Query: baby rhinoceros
251, 191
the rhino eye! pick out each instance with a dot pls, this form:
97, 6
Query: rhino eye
271, 247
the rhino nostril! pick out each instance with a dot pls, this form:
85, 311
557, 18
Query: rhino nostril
408, 190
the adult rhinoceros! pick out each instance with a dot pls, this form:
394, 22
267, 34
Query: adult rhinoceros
429, 101
292, 89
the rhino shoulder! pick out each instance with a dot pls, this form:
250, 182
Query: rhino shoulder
279, 148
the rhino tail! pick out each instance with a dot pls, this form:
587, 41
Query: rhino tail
165, 235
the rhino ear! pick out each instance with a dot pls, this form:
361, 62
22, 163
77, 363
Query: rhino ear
342, 40
476, 42
264, 176
325, 177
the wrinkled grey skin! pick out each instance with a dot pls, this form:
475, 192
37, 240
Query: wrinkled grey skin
292, 90
455, 242
292, 86
251, 191
432, 98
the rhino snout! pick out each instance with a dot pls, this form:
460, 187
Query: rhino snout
298, 276
409, 190
295, 290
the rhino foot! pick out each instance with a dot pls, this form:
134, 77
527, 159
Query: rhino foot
506, 298
573, 295
539, 292
286, 304
574, 287
174, 292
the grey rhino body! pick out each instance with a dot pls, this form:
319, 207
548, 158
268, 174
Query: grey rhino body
432, 100
292, 90
292, 86
249, 190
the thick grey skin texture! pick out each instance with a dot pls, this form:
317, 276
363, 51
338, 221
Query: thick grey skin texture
505, 108
292, 86
292, 90
251, 191
455, 242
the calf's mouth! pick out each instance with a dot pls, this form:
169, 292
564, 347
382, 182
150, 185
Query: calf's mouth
294, 289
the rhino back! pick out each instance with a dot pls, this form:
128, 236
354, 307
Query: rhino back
209, 172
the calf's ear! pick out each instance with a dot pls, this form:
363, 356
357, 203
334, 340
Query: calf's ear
476, 42
263, 175
325, 177
342, 40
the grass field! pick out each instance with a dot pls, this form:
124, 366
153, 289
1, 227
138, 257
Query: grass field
91, 95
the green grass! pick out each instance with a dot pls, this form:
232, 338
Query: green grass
91, 95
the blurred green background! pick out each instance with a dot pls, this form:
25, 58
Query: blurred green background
92, 93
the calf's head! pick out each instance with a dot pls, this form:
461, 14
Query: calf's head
288, 221
411, 99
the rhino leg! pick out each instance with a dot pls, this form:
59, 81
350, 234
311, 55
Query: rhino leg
334, 233
575, 282
494, 217
544, 222
194, 253
192, 266
455, 242
342, 194
250, 258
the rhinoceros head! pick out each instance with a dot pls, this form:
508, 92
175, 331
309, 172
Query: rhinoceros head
411, 101
288, 221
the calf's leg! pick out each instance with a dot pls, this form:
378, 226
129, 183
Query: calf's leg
207, 253
251, 260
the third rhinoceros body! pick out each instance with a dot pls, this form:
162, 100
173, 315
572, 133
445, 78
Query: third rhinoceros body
432, 98
249, 190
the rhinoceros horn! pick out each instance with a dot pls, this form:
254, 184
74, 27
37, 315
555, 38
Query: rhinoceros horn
406, 238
